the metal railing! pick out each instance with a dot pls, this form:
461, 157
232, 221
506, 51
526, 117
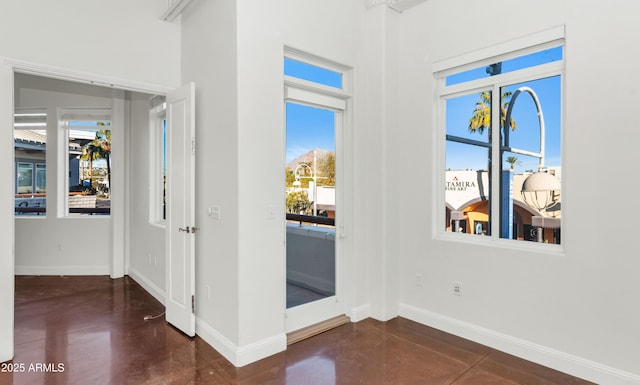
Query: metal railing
72, 210
311, 219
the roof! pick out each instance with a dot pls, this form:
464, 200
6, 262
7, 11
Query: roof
30, 136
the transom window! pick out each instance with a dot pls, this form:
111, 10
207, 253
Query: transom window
502, 120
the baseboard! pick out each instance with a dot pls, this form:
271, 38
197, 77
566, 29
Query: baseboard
147, 284
240, 355
360, 313
567, 363
62, 270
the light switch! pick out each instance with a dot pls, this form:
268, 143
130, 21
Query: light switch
214, 212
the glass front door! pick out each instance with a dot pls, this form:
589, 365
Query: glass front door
311, 212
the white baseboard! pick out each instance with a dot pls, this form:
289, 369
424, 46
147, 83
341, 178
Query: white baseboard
360, 313
62, 270
567, 363
242, 355
147, 284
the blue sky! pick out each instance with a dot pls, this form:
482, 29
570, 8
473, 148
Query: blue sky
310, 127
526, 136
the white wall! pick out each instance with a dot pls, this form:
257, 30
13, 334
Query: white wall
575, 311
6, 215
118, 42
50, 244
120, 39
209, 60
146, 241
260, 178
237, 67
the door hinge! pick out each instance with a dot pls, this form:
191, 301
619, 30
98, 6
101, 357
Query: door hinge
193, 146
193, 304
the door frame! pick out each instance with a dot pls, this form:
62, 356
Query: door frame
119, 215
120, 225
339, 101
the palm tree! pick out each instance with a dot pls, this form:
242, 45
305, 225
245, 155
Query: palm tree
102, 144
481, 118
512, 160
89, 154
99, 148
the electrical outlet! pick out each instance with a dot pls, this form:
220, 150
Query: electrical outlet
419, 280
457, 288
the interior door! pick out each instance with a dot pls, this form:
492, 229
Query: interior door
180, 196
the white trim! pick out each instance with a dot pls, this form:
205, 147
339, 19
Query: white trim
475, 58
508, 78
63, 270
243, 355
29, 68
555, 359
307, 93
314, 98
360, 313
511, 49
307, 85
7, 221
317, 61
146, 284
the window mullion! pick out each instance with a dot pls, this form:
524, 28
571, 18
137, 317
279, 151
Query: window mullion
496, 107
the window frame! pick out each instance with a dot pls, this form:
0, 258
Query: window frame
157, 127
64, 117
442, 93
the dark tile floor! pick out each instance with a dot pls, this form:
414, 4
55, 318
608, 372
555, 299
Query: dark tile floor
94, 327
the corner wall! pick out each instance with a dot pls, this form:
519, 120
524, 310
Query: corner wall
237, 65
573, 311
209, 58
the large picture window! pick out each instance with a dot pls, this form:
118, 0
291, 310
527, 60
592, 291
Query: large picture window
502, 121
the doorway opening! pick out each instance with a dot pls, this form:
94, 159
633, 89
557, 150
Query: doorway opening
315, 107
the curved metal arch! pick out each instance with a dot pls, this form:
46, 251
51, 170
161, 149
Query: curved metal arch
507, 119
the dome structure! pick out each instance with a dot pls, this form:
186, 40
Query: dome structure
541, 191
